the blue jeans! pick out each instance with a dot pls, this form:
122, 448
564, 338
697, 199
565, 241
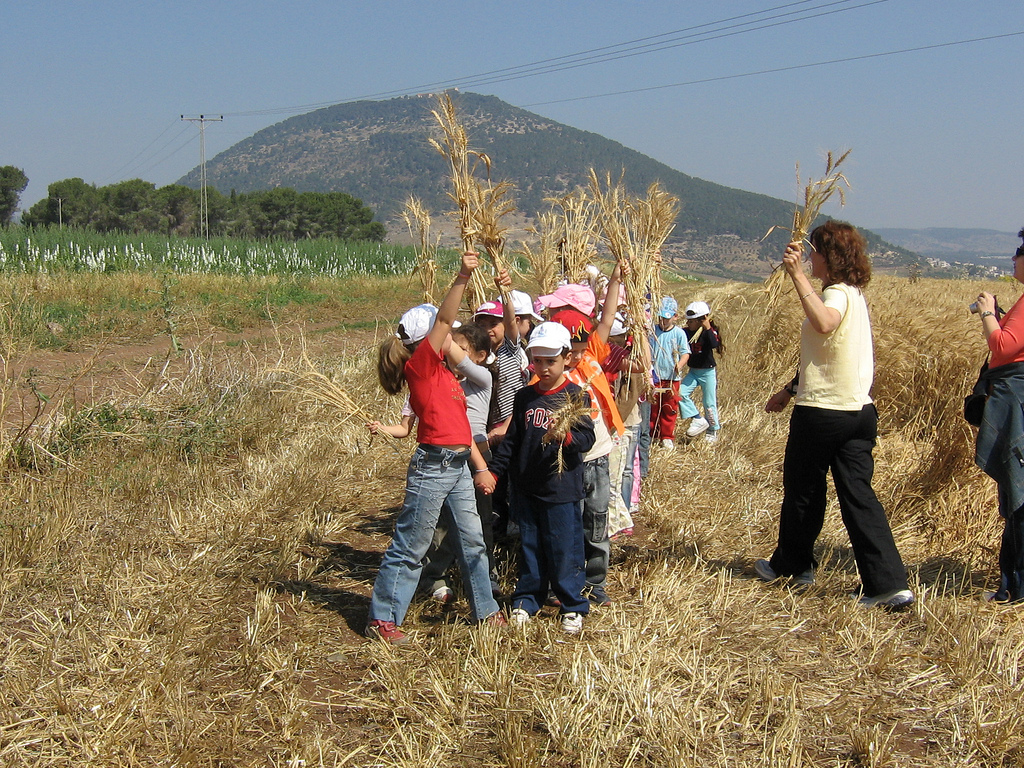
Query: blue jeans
596, 547
633, 433
552, 554
435, 475
707, 380
644, 441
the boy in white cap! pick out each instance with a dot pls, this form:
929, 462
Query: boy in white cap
546, 502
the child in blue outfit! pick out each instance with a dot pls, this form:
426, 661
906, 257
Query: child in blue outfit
704, 338
548, 503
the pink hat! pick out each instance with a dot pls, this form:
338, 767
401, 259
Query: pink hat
576, 296
490, 309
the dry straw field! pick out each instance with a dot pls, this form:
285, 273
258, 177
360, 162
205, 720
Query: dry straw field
186, 555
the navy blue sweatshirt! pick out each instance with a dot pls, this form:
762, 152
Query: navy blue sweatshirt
531, 464
702, 349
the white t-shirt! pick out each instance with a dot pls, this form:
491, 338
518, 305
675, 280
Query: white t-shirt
838, 368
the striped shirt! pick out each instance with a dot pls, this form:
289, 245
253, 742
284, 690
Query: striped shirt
509, 360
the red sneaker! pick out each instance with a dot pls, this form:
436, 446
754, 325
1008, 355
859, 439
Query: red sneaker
496, 619
386, 631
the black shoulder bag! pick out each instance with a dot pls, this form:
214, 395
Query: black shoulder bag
974, 403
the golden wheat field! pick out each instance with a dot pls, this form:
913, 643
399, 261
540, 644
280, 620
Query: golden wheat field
187, 553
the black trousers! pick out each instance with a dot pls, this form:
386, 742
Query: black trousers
820, 440
1011, 553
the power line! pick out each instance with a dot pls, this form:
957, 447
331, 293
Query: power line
148, 162
675, 44
775, 70
142, 151
169, 155
638, 47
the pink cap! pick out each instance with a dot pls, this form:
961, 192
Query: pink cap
490, 309
576, 296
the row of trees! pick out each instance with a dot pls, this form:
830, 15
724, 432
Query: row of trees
139, 206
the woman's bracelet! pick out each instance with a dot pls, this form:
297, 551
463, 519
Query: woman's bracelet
463, 274
986, 313
806, 295
485, 469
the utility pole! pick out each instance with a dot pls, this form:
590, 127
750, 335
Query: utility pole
204, 205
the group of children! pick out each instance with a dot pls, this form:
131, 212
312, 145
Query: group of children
531, 424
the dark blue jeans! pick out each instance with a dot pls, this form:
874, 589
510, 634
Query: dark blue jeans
552, 554
819, 440
1011, 554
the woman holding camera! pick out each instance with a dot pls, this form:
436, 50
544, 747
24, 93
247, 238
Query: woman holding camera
1000, 447
834, 423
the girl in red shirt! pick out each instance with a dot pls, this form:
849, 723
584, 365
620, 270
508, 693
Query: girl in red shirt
439, 471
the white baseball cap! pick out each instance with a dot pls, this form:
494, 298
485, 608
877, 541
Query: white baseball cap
550, 340
416, 324
697, 309
524, 305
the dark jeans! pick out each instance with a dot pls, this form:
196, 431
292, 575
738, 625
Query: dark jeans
820, 440
1011, 554
552, 554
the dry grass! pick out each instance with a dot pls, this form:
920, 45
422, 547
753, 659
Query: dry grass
193, 595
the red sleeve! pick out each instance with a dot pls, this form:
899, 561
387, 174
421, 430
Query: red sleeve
1007, 343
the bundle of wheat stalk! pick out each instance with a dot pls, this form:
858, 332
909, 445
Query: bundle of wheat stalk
454, 148
417, 219
564, 418
480, 207
654, 218
579, 229
816, 194
634, 230
544, 262
491, 204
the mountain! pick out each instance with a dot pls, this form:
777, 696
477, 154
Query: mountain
964, 245
378, 151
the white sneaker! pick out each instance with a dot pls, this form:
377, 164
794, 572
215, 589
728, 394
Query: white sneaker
519, 617
667, 444
697, 426
443, 595
711, 437
899, 600
572, 623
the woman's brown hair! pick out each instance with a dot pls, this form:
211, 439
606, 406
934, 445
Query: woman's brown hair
391, 359
845, 252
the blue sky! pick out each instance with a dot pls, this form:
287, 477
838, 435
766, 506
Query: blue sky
95, 89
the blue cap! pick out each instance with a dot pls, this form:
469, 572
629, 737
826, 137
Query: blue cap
669, 307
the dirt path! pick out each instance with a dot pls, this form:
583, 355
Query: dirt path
123, 368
